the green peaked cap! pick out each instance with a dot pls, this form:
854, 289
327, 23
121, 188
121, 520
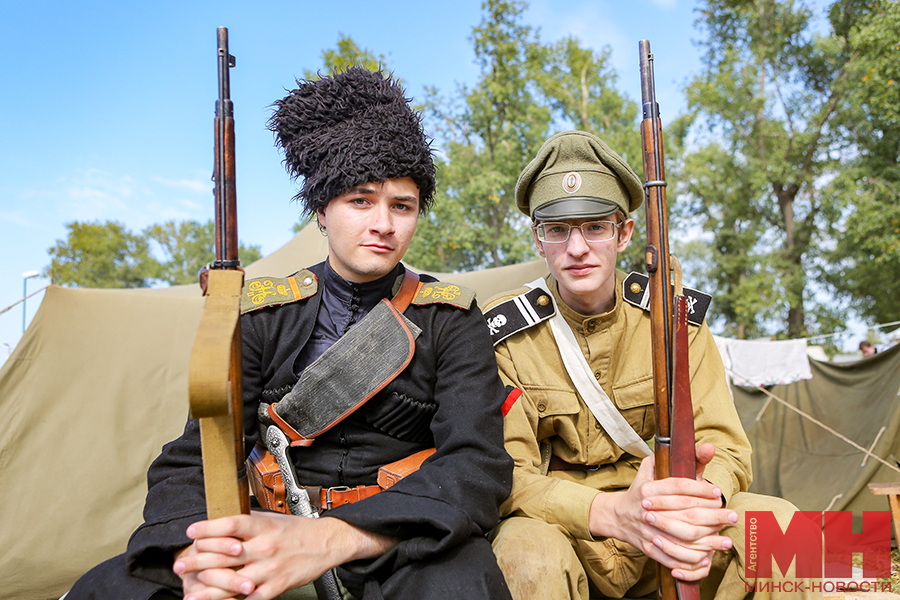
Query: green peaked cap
576, 175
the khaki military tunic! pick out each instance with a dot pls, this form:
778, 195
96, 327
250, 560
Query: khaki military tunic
546, 510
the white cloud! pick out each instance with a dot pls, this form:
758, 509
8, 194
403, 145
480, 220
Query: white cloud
196, 186
590, 23
15, 217
95, 194
195, 207
99, 195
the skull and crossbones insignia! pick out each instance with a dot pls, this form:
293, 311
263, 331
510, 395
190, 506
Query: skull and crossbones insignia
691, 301
496, 323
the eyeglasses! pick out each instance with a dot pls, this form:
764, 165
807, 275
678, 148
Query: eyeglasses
592, 231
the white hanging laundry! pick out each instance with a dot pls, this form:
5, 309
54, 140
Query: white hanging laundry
765, 362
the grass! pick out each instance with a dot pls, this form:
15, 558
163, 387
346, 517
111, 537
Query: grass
894, 579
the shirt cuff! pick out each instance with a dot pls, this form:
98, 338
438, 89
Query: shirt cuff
569, 504
720, 477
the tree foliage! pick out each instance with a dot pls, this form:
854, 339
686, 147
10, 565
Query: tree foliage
187, 247
486, 134
770, 102
347, 54
866, 257
102, 255
526, 90
107, 255
786, 163
489, 133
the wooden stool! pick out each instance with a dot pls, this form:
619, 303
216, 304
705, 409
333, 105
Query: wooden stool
891, 490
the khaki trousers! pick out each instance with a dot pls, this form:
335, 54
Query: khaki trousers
543, 561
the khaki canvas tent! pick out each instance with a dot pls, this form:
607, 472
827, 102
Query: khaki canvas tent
98, 384
806, 458
93, 390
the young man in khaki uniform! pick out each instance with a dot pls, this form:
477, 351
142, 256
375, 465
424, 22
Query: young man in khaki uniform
585, 516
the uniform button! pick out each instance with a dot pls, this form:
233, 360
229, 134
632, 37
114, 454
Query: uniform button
307, 281
597, 375
541, 407
596, 425
543, 301
591, 325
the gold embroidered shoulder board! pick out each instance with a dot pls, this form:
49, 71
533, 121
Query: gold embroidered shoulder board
445, 293
273, 291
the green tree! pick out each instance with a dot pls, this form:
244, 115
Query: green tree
347, 54
187, 247
731, 258
489, 133
102, 255
766, 118
488, 137
579, 85
866, 257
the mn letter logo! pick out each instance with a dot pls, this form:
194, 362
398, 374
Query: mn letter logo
804, 542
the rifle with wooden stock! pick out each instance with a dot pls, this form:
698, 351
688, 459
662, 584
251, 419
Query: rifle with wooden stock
214, 377
674, 443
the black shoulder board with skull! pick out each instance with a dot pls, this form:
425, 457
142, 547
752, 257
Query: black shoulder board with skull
636, 291
518, 313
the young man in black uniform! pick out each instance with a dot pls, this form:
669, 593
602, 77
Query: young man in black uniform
367, 174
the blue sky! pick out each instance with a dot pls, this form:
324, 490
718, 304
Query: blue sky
106, 108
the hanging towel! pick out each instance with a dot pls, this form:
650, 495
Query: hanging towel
764, 362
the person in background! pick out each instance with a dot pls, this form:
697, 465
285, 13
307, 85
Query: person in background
867, 348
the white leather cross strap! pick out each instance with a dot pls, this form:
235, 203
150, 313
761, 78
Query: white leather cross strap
596, 399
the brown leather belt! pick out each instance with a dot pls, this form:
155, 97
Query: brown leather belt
328, 498
558, 464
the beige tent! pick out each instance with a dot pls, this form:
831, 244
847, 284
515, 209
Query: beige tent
99, 383
95, 387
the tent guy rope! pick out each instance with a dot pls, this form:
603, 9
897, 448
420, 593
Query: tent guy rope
21, 300
809, 417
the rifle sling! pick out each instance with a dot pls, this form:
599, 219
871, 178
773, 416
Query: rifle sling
587, 386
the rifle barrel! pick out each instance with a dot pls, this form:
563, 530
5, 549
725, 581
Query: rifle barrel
657, 256
224, 175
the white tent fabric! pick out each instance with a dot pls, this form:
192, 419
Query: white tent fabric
93, 390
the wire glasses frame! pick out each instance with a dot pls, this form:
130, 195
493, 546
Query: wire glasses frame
592, 231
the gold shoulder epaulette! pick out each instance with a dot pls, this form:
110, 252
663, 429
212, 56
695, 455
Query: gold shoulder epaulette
444, 293
273, 291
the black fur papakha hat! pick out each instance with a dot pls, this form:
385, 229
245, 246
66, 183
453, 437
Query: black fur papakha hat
351, 128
